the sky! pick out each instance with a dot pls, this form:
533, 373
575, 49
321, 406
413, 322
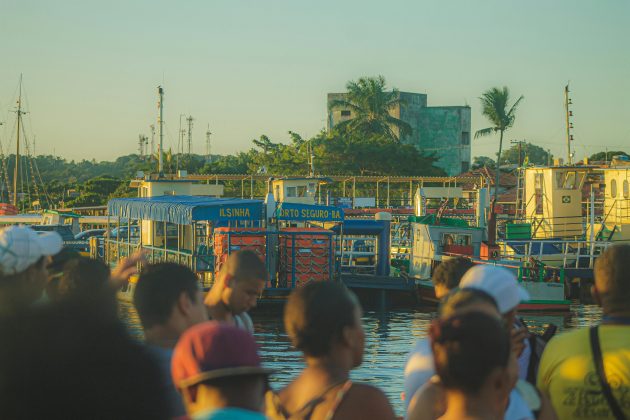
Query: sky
246, 68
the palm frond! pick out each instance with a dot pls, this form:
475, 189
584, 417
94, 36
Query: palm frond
484, 132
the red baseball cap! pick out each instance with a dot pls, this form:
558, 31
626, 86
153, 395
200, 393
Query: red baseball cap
212, 350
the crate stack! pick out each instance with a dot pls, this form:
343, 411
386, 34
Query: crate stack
239, 238
312, 255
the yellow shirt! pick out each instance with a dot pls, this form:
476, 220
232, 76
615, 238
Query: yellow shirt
567, 373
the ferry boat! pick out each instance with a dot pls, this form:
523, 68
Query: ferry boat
201, 231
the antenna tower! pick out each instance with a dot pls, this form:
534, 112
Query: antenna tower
142, 142
208, 145
190, 126
152, 127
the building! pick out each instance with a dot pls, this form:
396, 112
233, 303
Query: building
442, 130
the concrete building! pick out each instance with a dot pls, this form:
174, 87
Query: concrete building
442, 130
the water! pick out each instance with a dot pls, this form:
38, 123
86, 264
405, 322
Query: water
389, 336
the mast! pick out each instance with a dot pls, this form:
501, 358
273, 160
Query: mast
160, 125
17, 149
569, 124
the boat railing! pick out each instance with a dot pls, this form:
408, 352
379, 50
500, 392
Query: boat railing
536, 271
571, 253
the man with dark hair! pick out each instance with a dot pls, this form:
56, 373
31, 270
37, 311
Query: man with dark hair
24, 256
169, 301
66, 361
448, 274
239, 284
217, 368
586, 372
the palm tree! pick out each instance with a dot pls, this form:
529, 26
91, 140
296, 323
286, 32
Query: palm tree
370, 105
494, 103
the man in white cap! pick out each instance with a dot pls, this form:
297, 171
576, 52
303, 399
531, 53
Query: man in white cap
24, 255
501, 284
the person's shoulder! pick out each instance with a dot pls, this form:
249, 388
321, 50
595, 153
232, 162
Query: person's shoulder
569, 339
244, 321
420, 358
229, 413
367, 401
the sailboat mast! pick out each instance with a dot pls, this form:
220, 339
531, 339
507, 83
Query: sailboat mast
160, 125
17, 150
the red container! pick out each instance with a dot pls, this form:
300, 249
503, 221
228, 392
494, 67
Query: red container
312, 256
239, 238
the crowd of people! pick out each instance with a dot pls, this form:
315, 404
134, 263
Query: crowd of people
66, 354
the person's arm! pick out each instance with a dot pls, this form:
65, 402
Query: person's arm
365, 402
428, 403
544, 367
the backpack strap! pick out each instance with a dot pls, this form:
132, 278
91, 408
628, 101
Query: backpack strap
599, 368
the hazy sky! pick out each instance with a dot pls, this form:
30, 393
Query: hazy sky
264, 67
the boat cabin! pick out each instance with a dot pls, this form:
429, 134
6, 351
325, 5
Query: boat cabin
432, 243
297, 190
553, 201
616, 216
156, 187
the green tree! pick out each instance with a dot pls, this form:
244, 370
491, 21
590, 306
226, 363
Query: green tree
606, 156
535, 154
370, 106
496, 108
483, 161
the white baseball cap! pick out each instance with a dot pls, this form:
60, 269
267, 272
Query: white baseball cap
21, 247
498, 282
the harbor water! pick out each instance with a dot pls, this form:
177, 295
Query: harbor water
389, 336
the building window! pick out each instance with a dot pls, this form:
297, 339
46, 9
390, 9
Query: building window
465, 138
465, 166
345, 113
613, 188
291, 192
626, 193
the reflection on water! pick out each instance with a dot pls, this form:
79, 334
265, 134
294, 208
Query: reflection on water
389, 336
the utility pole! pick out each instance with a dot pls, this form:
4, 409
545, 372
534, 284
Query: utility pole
16, 171
208, 145
569, 113
548, 157
190, 126
520, 150
180, 141
161, 126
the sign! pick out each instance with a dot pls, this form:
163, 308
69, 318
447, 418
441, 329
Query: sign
305, 212
566, 199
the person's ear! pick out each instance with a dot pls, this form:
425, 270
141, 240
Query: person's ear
184, 303
347, 336
501, 383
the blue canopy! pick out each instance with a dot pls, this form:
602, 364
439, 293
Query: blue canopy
185, 209
294, 211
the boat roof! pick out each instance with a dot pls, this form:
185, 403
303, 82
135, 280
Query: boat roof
185, 209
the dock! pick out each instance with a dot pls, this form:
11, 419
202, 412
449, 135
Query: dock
381, 291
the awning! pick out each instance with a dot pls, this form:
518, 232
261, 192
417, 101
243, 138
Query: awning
185, 209
308, 212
